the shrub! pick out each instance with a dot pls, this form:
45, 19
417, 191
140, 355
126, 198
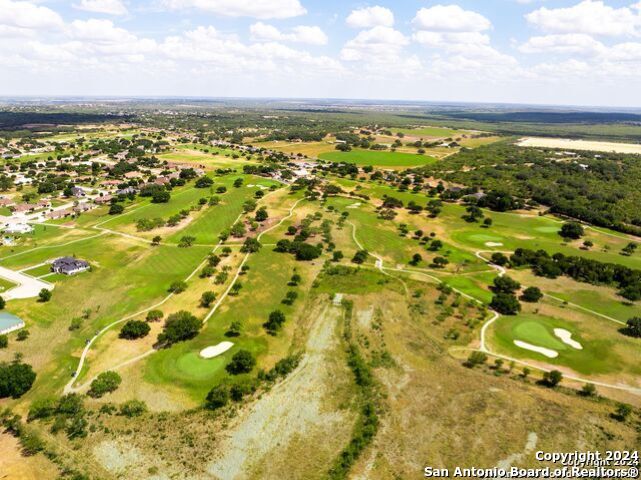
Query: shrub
4, 341
242, 362
217, 397
106, 382
44, 295
178, 286
134, 329
552, 379
180, 326
133, 408
3, 303
154, 315
476, 358
207, 299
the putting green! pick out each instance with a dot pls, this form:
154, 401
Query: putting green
551, 229
482, 238
537, 334
598, 354
197, 368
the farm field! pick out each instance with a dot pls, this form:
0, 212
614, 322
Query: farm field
378, 159
571, 144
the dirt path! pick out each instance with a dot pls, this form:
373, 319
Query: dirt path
291, 409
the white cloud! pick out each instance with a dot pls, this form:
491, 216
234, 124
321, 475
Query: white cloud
16, 16
589, 17
570, 43
449, 39
99, 31
109, 7
262, 9
371, 17
312, 35
450, 18
381, 42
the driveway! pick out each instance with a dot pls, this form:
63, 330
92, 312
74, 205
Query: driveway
27, 286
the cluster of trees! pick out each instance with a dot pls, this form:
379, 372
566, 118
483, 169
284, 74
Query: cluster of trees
302, 251
627, 280
598, 189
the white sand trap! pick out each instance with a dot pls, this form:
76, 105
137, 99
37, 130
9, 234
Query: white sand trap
215, 350
566, 337
493, 244
354, 205
542, 350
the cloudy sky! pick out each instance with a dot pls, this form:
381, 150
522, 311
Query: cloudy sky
526, 51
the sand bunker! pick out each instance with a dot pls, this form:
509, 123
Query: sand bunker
354, 205
215, 350
493, 244
566, 337
542, 350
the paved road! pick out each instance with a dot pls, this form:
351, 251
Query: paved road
27, 286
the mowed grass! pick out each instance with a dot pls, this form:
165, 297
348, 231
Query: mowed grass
311, 149
205, 223
378, 158
605, 350
264, 286
126, 277
209, 223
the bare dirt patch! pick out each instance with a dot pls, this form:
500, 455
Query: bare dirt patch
289, 415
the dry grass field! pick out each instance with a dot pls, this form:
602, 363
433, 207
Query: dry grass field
568, 144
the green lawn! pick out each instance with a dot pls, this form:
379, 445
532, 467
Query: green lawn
378, 158
126, 277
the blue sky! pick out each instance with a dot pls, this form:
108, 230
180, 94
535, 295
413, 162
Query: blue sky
580, 52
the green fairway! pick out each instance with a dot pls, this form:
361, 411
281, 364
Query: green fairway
264, 286
378, 158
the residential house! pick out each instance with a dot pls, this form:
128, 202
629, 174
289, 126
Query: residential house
69, 266
103, 200
77, 192
56, 214
24, 208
